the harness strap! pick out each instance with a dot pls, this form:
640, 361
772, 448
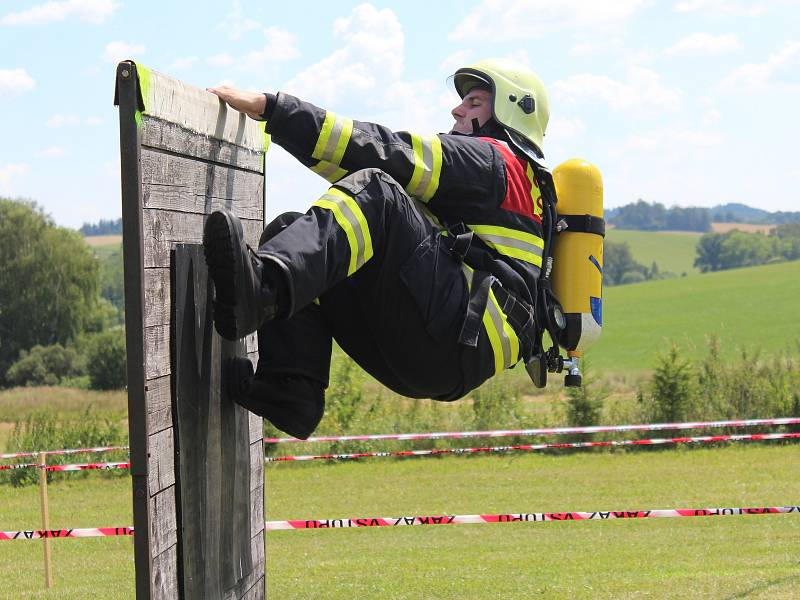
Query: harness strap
583, 224
478, 297
519, 315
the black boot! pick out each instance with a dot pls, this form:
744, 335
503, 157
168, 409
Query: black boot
292, 403
242, 302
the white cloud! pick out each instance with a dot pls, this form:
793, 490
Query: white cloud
10, 172
730, 7
561, 128
182, 63
642, 92
456, 60
524, 19
94, 121
117, 51
761, 75
236, 24
89, 11
59, 120
222, 60
370, 58
711, 116
280, 46
15, 81
704, 44
52, 152
666, 138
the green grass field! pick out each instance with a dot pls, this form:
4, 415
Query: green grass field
730, 557
753, 308
673, 252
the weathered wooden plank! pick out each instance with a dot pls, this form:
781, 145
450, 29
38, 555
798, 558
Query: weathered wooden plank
156, 297
257, 592
256, 429
256, 466
171, 137
165, 575
257, 509
158, 397
183, 184
156, 352
161, 461
163, 521
252, 586
163, 229
197, 110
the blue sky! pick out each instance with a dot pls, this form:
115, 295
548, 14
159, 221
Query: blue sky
684, 102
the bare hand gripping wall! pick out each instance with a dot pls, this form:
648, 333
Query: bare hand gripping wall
197, 459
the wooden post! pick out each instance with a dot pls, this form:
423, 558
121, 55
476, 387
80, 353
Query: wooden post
48, 572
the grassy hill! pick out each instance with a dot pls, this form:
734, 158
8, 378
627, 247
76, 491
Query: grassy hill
751, 308
673, 251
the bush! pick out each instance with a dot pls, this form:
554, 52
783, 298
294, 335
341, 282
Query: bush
45, 431
584, 404
495, 405
671, 389
106, 360
45, 365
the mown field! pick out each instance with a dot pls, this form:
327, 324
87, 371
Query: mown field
721, 557
754, 308
672, 251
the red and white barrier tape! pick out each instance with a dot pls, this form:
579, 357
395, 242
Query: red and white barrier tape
546, 431
525, 517
440, 451
467, 434
534, 447
66, 451
37, 534
81, 467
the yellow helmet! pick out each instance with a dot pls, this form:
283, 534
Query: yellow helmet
520, 104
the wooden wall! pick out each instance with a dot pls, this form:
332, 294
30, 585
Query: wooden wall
184, 155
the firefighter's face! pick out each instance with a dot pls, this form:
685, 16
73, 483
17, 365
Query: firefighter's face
477, 104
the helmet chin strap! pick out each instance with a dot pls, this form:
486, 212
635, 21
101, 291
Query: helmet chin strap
476, 126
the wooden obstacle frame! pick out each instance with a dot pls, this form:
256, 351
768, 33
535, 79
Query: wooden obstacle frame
196, 458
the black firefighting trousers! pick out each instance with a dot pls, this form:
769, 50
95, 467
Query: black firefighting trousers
366, 268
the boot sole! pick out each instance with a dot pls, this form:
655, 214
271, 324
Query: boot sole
222, 243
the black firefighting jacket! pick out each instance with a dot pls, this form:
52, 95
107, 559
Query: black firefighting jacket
468, 183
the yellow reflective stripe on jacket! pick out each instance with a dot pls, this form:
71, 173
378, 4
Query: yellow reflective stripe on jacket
512, 242
427, 167
354, 224
330, 171
331, 144
502, 337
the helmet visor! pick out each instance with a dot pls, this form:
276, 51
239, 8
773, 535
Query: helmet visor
462, 83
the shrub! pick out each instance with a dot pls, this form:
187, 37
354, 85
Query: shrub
584, 404
45, 431
494, 404
106, 360
672, 388
45, 365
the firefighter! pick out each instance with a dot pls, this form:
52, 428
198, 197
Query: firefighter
421, 260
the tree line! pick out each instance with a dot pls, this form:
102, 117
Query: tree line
55, 323
102, 227
734, 249
645, 216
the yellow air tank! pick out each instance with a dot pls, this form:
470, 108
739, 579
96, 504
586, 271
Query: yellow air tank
578, 258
